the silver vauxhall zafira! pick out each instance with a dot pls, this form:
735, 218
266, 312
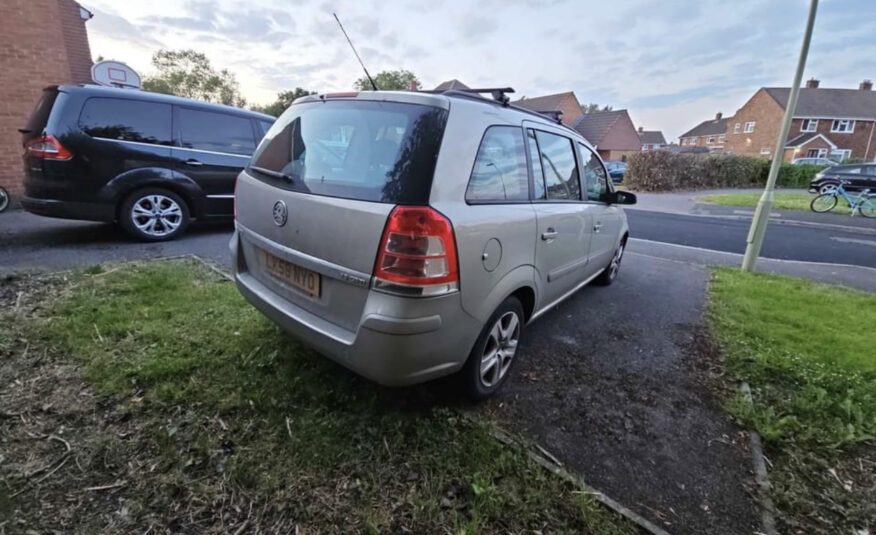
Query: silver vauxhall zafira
411, 235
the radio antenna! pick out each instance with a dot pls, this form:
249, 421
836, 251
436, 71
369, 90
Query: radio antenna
370, 79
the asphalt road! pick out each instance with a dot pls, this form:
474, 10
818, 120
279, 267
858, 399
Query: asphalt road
783, 241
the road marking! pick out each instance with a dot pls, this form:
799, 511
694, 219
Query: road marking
751, 212
854, 240
804, 262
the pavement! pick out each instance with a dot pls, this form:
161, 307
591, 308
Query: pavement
686, 203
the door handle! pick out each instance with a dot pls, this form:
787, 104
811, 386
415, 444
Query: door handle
549, 234
194, 163
597, 227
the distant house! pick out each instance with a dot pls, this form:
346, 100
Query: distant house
711, 134
450, 85
651, 139
611, 132
834, 123
565, 103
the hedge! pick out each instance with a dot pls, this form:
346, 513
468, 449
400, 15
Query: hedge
666, 171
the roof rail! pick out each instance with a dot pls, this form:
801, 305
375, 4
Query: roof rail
475, 94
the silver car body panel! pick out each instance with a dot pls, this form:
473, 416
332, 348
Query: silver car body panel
501, 250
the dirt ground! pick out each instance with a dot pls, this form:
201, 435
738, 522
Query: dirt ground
627, 400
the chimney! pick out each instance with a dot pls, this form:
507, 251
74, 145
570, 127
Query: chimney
641, 129
866, 85
718, 116
812, 83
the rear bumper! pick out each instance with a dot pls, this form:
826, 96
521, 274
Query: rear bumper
390, 350
69, 209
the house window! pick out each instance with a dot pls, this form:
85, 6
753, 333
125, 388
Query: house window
841, 155
809, 125
749, 127
765, 151
736, 128
711, 140
816, 153
722, 138
843, 126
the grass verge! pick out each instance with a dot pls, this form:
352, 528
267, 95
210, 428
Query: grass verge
807, 350
200, 415
783, 201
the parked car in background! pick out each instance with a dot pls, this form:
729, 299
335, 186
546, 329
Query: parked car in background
616, 170
815, 161
855, 177
408, 238
150, 162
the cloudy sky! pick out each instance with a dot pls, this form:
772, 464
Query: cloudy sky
672, 63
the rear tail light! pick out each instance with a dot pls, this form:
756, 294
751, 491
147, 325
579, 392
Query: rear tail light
47, 148
236, 179
417, 255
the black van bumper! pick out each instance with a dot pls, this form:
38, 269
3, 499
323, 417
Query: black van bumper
69, 209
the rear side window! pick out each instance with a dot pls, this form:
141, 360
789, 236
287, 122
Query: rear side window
127, 120
264, 126
499, 172
365, 150
215, 132
558, 164
40, 115
595, 180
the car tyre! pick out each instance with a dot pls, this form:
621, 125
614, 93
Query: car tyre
494, 352
609, 274
154, 214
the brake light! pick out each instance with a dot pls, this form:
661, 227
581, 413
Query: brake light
417, 254
345, 94
47, 148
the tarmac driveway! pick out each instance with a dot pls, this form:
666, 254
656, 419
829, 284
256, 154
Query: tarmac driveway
617, 383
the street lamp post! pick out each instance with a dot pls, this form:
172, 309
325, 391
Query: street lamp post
764, 205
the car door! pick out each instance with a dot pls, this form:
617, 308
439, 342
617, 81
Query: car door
606, 218
562, 225
212, 148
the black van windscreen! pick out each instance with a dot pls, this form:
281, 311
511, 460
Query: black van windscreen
365, 150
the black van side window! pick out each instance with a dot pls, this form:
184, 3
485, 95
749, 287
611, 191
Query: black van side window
499, 172
217, 132
127, 120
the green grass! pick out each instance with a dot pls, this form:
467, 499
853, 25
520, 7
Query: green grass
808, 352
179, 350
783, 201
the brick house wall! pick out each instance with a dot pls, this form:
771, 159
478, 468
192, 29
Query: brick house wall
766, 113
42, 42
856, 141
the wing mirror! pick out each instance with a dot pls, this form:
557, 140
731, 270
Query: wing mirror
620, 197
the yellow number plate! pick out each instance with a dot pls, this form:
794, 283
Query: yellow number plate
304, 279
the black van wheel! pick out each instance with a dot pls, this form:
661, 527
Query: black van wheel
493, 354
154, 214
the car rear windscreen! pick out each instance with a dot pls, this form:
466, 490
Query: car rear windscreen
40, 115
365, 150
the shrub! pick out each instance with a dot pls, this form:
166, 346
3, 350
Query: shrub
666, 171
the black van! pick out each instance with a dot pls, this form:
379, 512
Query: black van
151, 162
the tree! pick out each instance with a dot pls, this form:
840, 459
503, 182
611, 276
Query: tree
284, 100
189, 74
399, 80
593, 107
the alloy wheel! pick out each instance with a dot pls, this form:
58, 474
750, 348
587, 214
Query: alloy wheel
500, 349
614, 267
827, 188
156, 215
